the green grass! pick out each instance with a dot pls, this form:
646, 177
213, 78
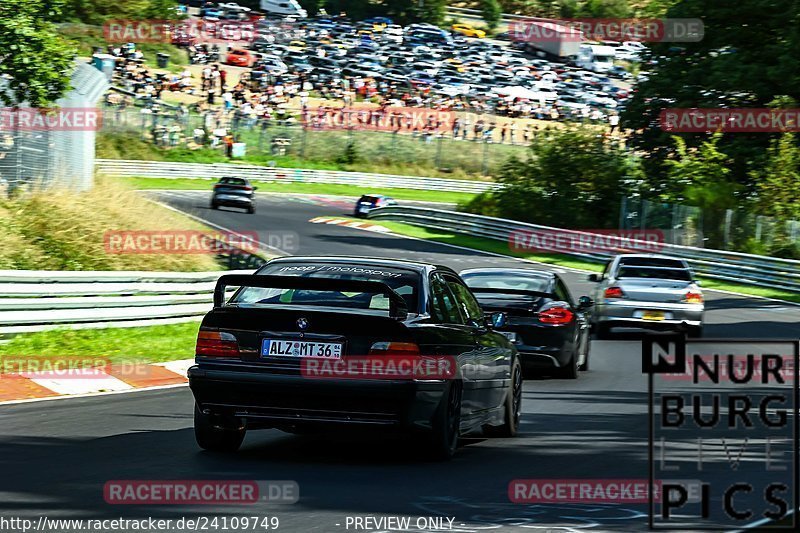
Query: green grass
149, 344
489, 245
375, 152
308, 188
58, 229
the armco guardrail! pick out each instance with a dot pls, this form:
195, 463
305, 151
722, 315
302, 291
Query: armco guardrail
161, 169
729, 266
38, 300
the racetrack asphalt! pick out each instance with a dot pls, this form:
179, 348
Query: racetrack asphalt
56, 456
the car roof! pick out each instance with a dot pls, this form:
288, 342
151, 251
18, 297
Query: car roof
517, 271
648, 256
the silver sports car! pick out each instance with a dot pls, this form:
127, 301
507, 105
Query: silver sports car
648, 292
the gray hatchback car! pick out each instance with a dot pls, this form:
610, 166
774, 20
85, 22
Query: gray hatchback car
654, 292
234, 192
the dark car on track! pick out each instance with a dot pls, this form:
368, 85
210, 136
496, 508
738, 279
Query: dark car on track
368, 202
234, 192
256, 351
548, 328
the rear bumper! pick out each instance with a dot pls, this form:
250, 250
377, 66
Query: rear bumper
541, 356
633, 314
292, 401
232, 200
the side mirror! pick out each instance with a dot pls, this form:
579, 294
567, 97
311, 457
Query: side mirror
584, 302
593, 277
496, 320
697, 282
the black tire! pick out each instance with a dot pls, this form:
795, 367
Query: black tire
446, 425
214, 205
215, 439
570, 370
602, 331
513, 408
694, 332
585, 366
251, 209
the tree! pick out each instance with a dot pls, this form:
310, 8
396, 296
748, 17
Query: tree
491, 12
431, 11
746, 58
99, 11
701, 177
574, 179
779, 191
35, 60
606, 9
779, 179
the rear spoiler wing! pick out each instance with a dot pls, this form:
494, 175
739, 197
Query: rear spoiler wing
397, 305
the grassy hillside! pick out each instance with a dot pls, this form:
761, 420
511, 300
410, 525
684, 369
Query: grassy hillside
64, 230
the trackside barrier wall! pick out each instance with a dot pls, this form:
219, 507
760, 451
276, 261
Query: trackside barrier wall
38, 300
728, 266
162, 169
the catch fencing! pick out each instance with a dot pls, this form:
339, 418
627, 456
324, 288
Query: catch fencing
736, 267
161, 169
52, 156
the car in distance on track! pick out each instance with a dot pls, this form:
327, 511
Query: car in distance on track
649, 292
547, 327
368, 202
234, 192
261, 355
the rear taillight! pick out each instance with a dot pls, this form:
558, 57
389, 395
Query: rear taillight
693, 297
556, 315
248, 189
613, 292
394, 348
216, 344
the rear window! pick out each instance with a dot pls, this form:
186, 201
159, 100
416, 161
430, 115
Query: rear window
655, 273
652, 262
233, 181
405, 282
507, 281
